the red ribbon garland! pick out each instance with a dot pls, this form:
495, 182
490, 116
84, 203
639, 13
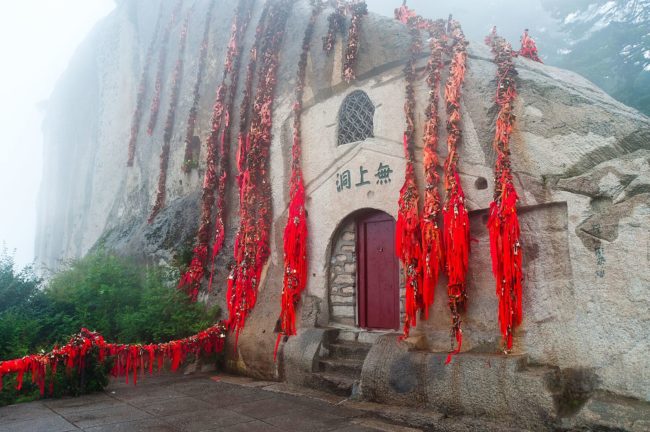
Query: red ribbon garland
503, 223
528, 48
155, 102
188, 159
408, 235
252, 245
295, 231
455, 216
358, 9
142, 89
177, 77
191, 280
432, 247
127, 358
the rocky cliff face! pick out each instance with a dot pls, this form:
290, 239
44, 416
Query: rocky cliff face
581, 162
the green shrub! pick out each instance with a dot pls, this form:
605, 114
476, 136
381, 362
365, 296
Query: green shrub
124, 301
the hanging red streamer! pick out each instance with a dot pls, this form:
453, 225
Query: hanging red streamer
528, 48
455, 216
155, 102
503, 223
357, 10
432, 249
191, 280
177, 77
128, 359
142, 90
335, 25
295, 231
252, 244
408, 235
189, 160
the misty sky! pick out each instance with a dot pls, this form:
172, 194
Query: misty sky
38, 38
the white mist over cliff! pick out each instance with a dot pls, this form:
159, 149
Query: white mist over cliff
37, 39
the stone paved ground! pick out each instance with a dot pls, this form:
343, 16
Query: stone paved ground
173, 403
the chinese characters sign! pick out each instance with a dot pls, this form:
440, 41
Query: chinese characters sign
344, 179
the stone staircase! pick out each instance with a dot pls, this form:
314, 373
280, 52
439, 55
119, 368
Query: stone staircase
340, 362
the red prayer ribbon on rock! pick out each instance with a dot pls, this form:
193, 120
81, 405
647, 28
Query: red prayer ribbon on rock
177, 77
503, 223
189, 161
252, 244
528, 48
455, 216
142, 90
408, 235
295, 231
162, 59
432, 248
191, 280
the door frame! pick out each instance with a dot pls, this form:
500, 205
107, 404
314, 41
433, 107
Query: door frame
360, 220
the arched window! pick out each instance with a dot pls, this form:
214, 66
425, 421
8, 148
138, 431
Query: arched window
355, 118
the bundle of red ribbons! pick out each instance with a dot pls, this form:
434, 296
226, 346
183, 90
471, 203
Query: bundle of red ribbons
128, 359
503, 223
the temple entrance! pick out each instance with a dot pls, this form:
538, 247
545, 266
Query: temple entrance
378, 272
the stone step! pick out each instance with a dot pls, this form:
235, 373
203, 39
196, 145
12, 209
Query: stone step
342, 366
349, 350
334, 383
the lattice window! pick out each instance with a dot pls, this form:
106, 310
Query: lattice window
355, 118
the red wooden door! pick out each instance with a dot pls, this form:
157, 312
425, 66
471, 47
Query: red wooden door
378, 272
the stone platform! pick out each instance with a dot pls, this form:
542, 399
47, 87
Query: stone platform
174, 403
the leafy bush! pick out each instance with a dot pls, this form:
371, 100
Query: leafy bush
124, 301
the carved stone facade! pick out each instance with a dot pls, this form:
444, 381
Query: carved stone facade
580, 164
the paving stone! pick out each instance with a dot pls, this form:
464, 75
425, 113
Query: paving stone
266, 408
206, 420
174, 406
306, 420
234, 397
25, 411
147, 425
70, 406
356, 428
49, 423
194, 387
254, 426
117, 414
135, 395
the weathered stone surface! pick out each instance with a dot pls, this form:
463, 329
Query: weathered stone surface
580, 162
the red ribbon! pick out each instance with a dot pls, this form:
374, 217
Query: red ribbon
127, 358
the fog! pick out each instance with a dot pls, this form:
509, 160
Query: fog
38, 38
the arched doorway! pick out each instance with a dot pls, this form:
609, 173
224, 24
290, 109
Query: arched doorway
364, 277
377, 271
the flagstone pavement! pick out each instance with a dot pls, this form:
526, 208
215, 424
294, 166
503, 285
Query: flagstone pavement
201, 402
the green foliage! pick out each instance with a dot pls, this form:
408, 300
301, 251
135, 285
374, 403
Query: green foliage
124, 301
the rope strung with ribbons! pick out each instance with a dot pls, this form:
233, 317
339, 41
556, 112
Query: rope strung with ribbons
357, 9
503, 223
162, 59
190, 281
408, 236
252, 244
528, 48
295, 231
177, 77
128, 358
432, 248
455, 216
188, 159
142, 91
